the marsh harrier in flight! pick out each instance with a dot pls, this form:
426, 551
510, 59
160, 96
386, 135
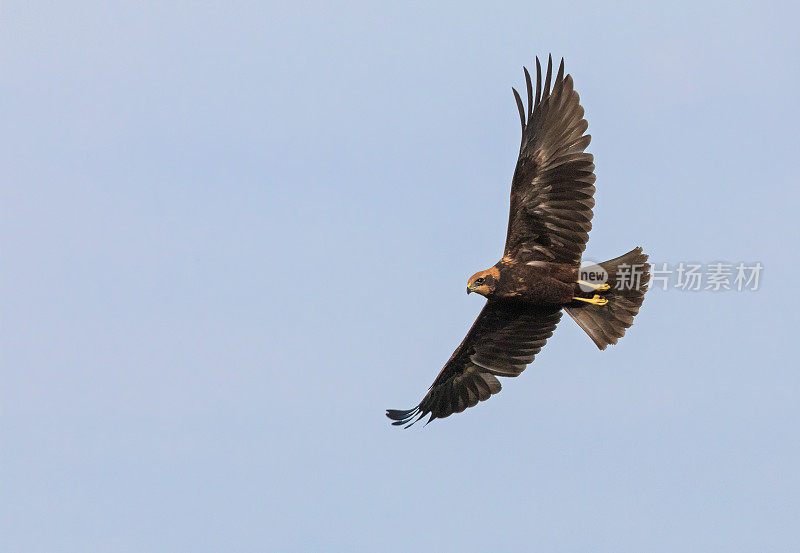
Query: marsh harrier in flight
540, 273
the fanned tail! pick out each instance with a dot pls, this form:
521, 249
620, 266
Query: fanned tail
628, 276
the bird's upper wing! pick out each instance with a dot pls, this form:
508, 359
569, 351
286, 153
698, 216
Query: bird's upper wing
502, 342
551, 194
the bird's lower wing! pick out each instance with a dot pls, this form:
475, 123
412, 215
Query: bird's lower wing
503, 340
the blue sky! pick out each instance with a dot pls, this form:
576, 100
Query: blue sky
234, 233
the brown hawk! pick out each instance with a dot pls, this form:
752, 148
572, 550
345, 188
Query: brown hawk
540, 272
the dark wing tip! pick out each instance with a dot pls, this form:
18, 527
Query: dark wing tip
529, 88
520, 108
548, 76
560, 75
538, 81
404, 417
542, 92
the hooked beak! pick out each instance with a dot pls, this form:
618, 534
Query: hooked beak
469, 290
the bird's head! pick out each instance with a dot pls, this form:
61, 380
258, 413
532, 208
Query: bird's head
483, 282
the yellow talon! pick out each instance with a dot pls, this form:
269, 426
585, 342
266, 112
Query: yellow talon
599, 287
596, 300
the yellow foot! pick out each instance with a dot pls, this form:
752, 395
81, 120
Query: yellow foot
596, 300
599, 287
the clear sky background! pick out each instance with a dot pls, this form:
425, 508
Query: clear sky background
234, 233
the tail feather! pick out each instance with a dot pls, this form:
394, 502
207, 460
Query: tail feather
628, 276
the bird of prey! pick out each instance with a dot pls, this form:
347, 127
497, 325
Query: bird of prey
540, 273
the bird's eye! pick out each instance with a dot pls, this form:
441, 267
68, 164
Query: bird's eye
478, 281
